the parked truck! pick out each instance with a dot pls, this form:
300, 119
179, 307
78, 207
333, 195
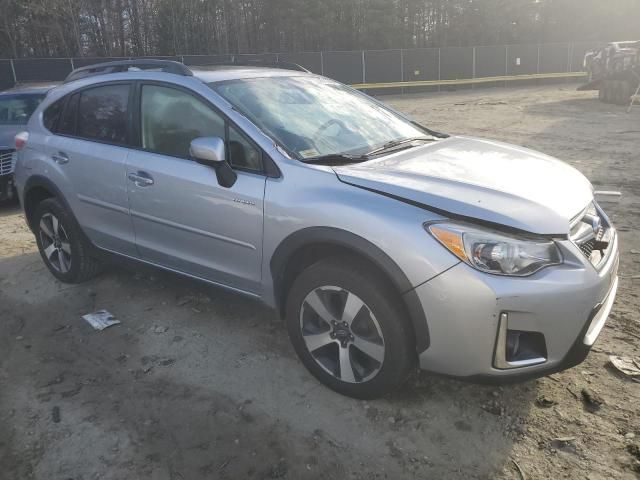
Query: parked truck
614, 70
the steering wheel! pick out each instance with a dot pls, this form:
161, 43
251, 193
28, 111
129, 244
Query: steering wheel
317, 135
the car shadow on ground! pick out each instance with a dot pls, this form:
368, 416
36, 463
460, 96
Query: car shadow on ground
198, 382
8, 208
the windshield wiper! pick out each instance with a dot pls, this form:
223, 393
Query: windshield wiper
433, 133
337, 158
397, 143
340, 158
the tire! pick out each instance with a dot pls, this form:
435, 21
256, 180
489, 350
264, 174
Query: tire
601, 93
62, 245
625, 93
608, 91
616, 93
380, 326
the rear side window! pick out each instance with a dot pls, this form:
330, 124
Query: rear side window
102, 114
52, 114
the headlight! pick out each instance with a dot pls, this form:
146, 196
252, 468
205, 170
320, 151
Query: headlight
495, 253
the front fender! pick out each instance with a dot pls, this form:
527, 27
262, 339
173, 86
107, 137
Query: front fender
363, 248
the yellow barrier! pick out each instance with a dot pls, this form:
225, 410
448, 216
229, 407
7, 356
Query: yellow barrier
468, 81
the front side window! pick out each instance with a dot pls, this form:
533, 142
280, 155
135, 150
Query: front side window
171, 119
103, 115
242, 154
16, 109
313, 117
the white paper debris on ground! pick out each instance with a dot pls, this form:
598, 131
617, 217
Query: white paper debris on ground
101, 319
627, 365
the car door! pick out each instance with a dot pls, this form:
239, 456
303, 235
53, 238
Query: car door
89, 148
183, 219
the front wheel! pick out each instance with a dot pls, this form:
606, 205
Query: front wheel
350, 329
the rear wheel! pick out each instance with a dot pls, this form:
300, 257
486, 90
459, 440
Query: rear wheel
61, 244
349, 329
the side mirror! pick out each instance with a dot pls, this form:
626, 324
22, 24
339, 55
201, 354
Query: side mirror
210, 151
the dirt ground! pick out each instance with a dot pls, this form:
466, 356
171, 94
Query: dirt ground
197, 383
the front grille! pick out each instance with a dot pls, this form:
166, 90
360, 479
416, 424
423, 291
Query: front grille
592, 234
6, 161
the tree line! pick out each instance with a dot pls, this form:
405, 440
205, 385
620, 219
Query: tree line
72, 28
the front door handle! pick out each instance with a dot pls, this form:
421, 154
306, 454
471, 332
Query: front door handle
141, 179
60, 158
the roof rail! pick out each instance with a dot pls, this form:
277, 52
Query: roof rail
168, 66
235, 61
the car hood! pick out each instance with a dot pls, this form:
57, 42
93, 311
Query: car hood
480, 180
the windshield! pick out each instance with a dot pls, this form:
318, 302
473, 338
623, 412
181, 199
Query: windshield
16, 109
313, 117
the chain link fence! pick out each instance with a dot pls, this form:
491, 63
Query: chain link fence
358, 67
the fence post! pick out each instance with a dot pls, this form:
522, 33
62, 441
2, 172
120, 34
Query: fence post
506, 63
439, 66
402, 69
73, 67
321, 64
364, 69
569, 62
473, 73
538, 67
13, 72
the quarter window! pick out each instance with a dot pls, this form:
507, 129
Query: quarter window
102, 114
171, 119
67, 123
52, 114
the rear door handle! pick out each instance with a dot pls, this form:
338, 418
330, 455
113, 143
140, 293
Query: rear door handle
141, 179
60, 158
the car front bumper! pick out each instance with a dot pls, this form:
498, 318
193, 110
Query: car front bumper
466, 312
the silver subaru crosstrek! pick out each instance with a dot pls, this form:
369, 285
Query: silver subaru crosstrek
383, 244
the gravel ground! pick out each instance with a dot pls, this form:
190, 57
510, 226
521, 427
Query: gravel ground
199, 383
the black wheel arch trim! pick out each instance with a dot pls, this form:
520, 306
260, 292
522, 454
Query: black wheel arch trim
43, 182
342, 238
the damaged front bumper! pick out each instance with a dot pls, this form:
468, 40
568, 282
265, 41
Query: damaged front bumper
504, 329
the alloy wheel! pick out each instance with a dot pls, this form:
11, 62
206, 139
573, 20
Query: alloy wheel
342, 334
55, 243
